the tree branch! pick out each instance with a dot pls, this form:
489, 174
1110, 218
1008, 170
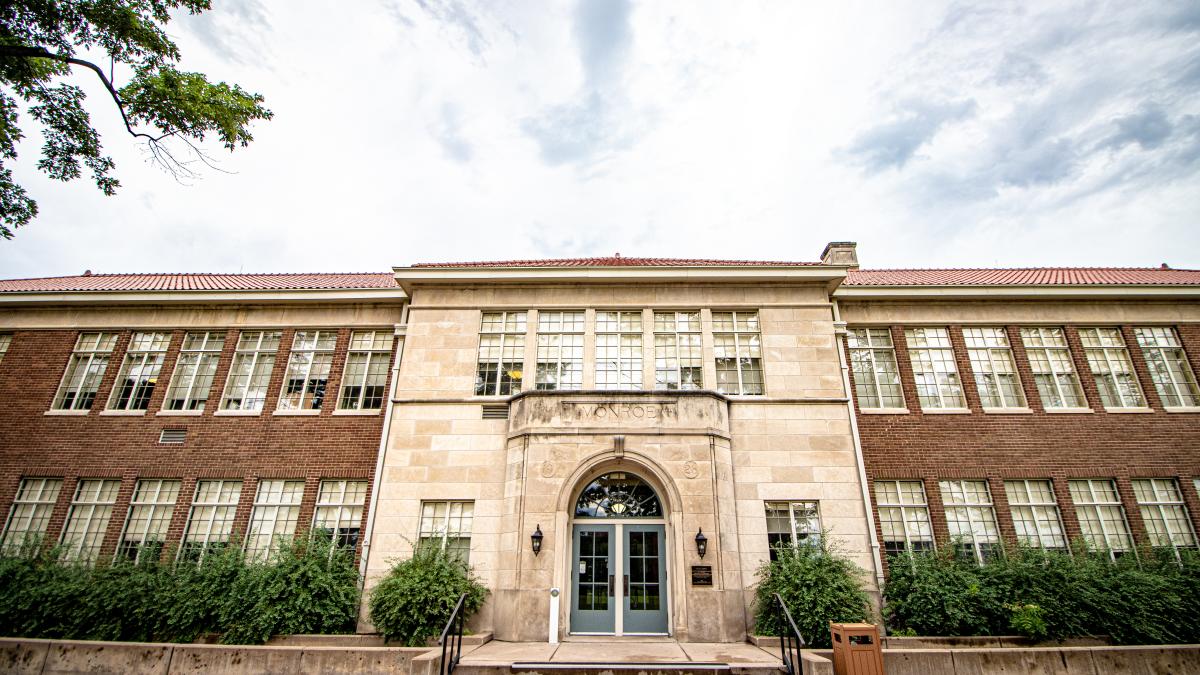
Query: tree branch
43, 53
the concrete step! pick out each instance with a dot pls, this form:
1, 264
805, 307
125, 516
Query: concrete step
618, 668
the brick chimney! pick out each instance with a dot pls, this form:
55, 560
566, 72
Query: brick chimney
841, 253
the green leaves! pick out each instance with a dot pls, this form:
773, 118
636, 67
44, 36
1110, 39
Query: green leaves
415, 600
188, 104
818, 584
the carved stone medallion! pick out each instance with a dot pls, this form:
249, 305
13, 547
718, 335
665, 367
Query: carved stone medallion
691, 469
548, 469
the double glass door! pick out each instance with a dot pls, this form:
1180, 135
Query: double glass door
619, 566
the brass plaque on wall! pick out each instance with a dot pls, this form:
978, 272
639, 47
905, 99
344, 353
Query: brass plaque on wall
702, 575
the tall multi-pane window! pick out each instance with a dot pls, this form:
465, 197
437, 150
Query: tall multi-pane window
1164, 513
903, 516
250, 373
934, 369
1035, 514
1053, 370
559, 350
195, 368
5, 341
84, 371
340, 509
448, 524
995, 372
210, 521
365, 376
150, 512
619, 350
1101, 516
971, 518
88, 519
1169, 367
1110, 364
873, 360
30, 513
139, 371
792, 524
737, 345
307, 375
501, 353
678, 356
273, 521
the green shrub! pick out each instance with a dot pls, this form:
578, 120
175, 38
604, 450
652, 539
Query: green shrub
818, 585
414, 601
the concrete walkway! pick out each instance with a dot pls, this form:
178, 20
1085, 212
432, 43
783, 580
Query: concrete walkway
626, 650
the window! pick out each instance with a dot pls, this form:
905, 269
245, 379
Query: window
678, 357
903, 516
971, 518
1101, 516
1164, 513
211, 519
876, 378
30, 513
88, 519
936, 375
308, 370
194, 370
340, 510
792, 524
619, 350
273, 521
246, 388
5, 341
448, 524
1053, 370
1169, 368
1110, 364
84, 371
150, 513
1035, 514
139, 371
559, 350
365, 377
501, 353
992, 363
738, 349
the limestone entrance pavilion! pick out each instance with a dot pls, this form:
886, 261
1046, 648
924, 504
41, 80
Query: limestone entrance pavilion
615, 444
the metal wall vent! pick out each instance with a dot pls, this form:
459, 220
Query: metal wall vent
172, 436
495, 411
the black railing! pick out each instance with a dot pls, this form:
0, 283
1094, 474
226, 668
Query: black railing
453, 630
790, 640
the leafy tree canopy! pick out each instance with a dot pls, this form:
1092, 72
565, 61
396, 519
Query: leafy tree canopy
39, 44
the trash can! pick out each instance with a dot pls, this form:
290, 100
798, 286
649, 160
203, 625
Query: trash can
856, 649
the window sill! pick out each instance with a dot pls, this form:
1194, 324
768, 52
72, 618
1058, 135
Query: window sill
66, 413
1187, 409
237, 413
1067, 411
356, 413
179, 413
122, 413
884, 411
946, 411
1127, 410
296, 413
1007, 411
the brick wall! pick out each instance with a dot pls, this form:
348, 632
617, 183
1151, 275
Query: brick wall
307, 447
1035, 444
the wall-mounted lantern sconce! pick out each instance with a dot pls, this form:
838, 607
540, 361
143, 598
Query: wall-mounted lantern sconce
536, 539
701, 543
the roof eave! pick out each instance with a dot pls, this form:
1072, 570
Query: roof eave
1111, 291
30, 298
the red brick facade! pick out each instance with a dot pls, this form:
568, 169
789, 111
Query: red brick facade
95, 445
1036, 444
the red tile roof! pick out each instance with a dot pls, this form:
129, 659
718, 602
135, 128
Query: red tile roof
1028, 276
620, 261
198, 282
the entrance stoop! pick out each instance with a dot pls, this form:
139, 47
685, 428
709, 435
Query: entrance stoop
620, 656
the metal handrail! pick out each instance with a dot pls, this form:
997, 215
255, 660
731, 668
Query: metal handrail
790, 641
456, 622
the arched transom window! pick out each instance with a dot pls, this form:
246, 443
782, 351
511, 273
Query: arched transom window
618, 495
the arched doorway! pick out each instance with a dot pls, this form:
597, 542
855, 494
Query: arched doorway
619, 558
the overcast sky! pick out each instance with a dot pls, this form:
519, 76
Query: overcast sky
430, 130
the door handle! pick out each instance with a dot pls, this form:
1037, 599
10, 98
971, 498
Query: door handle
610, 585
627, 585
